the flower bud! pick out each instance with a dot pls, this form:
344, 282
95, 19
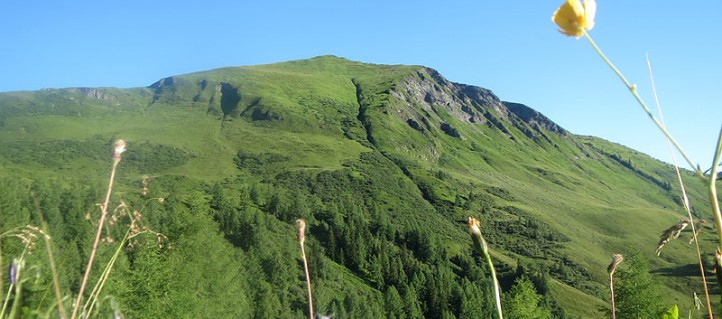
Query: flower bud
14, 271
616, 260
573, 17
118, 148
476, 237
301, 227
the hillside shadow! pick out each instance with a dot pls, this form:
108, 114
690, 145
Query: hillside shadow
688, 270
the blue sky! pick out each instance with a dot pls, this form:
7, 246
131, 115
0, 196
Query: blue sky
510, 47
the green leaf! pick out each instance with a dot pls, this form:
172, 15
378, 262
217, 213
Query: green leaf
672, 313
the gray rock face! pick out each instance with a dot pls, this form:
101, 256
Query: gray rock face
427, 95
534, 119
95, 93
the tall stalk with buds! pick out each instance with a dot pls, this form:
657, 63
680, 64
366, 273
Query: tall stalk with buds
118, 149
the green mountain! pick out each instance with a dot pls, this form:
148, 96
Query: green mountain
385, 162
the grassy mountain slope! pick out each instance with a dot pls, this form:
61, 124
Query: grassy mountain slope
397, 154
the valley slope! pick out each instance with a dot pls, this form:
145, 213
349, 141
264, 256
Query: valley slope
386, 162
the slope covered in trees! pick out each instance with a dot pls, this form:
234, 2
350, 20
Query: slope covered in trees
384, 162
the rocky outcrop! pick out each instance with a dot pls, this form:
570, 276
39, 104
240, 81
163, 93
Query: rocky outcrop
534, 119
427, 97
95, 93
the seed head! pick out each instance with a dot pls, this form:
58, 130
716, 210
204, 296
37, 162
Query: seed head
476, 237
118, 148
474, 226
301, 227
616, 260
144, 183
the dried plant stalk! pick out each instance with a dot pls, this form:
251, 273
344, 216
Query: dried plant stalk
616, 260
671, 233
118, 149
301, 227
483, 248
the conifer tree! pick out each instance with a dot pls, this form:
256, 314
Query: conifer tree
523, 302
636, 292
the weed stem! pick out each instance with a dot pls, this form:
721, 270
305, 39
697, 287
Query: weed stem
685, 198
713, 187
497, 293
101, 222
301, 227
51, 259
611, 290
633, 89
483, 248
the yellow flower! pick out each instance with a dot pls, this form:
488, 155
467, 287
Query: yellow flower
573, 17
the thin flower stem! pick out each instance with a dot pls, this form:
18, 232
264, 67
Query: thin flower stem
93, 298
51, 259
633, 89
685, 198
713, 188
7, 299
611, 290
497, 293
2, 282
54, 272
481, 246
308, 281
101, 222
18, 293
301, 228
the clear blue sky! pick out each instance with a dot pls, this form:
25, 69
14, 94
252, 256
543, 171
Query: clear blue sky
510, 47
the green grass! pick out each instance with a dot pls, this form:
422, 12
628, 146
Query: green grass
577, 302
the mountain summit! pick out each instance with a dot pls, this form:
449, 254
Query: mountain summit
423, 98
385, 162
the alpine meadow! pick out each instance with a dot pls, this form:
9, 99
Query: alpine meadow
384, 164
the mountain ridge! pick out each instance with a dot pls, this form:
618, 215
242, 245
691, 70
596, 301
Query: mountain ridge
475, 97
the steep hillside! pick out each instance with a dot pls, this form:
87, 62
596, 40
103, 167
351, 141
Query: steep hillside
385, 162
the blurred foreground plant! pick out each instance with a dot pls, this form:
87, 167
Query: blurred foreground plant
118, 149
301, 227
575, 19
616, 260
481, 246
29, 236
15, 305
